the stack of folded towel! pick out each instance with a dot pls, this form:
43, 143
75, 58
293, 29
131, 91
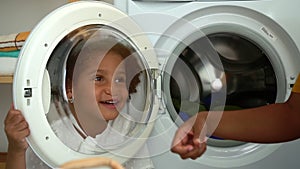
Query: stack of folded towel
10, 46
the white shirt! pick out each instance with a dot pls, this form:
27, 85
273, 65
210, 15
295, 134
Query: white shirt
112, 137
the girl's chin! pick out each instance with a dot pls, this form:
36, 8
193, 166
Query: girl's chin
110, 116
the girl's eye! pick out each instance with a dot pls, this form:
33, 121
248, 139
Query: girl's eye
98, 78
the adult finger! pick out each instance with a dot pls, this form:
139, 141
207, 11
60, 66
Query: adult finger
195, 153
182, 149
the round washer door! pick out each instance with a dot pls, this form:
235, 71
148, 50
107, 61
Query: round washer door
248, 44
83, 84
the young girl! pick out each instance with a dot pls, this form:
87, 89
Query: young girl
99, 82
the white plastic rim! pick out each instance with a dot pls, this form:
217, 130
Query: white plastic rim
31, 88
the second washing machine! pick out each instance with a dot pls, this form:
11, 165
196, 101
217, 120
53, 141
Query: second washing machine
249, 48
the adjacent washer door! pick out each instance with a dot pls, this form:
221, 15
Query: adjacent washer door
258, 60
62, 84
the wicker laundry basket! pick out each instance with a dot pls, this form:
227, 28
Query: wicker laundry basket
92, 163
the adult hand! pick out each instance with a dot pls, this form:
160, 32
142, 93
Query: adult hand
190, 138
16, 129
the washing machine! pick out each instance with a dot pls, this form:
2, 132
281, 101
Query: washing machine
220, 53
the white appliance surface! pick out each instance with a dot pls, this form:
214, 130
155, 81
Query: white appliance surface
269, 25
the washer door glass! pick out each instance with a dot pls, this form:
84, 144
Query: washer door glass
99, 89
248, 76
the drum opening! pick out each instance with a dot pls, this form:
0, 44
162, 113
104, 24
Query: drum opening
249, 77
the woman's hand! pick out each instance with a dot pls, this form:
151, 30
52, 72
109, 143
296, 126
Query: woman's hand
190, 138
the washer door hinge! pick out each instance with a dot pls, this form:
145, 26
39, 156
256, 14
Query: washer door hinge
156, 76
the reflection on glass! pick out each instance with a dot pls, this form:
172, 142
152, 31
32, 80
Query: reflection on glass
248, 73
99, 90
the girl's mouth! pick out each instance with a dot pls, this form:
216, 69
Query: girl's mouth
110, 103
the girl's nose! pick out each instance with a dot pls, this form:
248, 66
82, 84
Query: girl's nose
108, 88
111, 88
107, 91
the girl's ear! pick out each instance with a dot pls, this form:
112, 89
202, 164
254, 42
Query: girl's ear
70, 96
69, 93
69, 88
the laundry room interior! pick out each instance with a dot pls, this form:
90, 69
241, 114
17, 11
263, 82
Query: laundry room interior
196, 55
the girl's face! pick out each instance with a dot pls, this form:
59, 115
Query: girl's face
110, 86
100, 89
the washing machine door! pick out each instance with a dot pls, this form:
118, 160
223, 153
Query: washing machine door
83, 83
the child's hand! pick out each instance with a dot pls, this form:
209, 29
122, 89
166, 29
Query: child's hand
16, 129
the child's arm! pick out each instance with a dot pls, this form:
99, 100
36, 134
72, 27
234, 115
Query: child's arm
16, 129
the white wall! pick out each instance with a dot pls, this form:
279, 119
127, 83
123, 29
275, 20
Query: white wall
23, 15
5, 101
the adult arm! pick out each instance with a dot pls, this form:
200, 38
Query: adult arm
266, 124
272, 123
